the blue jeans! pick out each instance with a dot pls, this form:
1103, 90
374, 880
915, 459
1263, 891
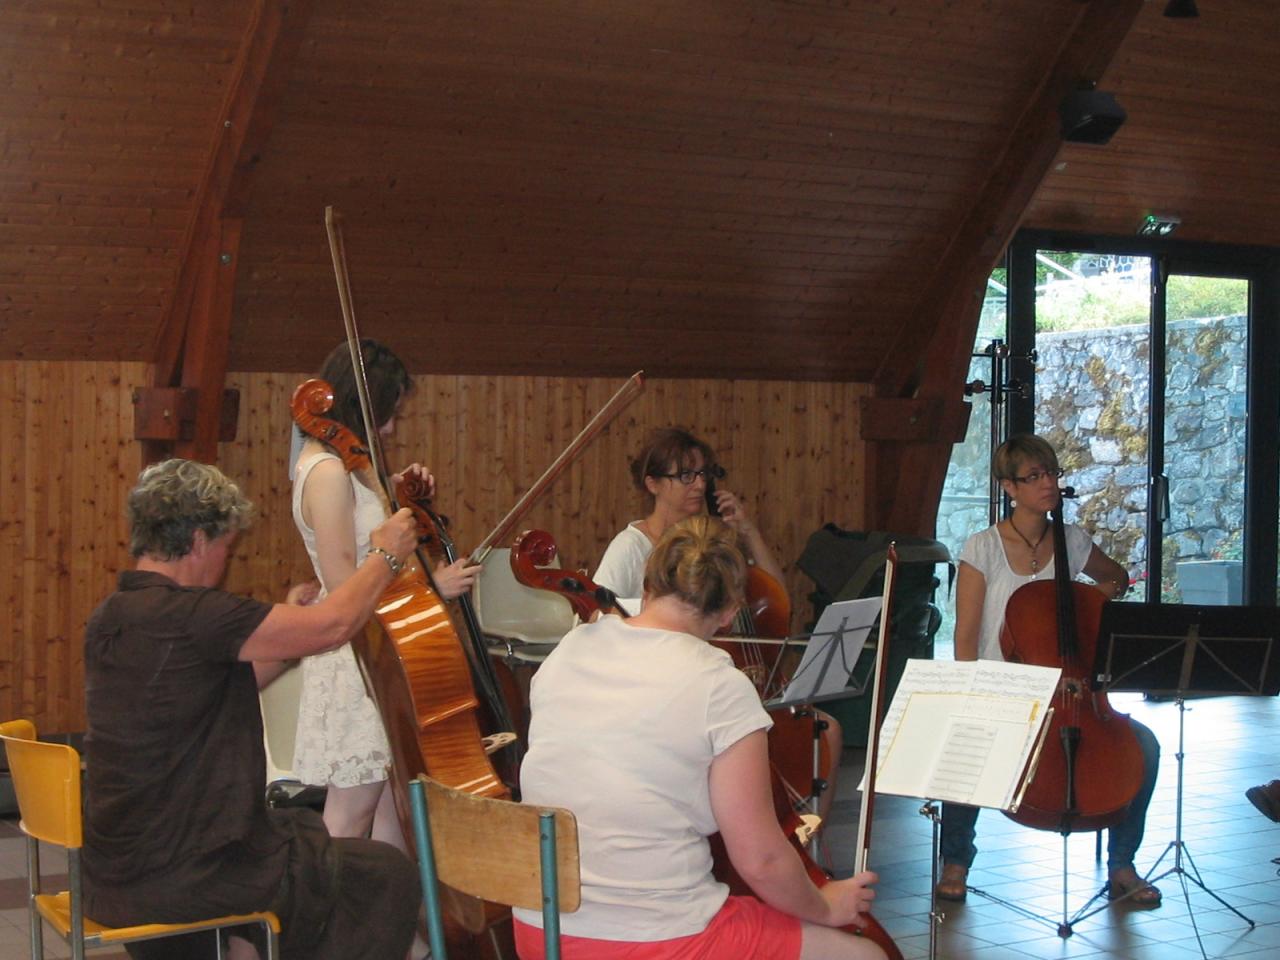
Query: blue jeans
959, 822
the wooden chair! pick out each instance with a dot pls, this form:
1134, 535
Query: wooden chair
503, 852
46, 778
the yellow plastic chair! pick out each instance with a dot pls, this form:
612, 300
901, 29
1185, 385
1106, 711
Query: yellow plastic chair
46, 778
498, 851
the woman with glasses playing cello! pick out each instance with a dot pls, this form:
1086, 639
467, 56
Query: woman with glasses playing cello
674, 471
677, 472
993, 565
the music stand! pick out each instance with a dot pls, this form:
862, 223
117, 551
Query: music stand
831, 651
828, 656
1180, 651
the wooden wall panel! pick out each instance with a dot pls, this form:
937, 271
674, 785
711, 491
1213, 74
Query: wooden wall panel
68, 460
791, 449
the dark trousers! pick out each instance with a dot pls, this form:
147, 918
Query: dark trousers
959, 822
339, 899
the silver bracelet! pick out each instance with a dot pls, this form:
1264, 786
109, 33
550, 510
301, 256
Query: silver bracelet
395, 565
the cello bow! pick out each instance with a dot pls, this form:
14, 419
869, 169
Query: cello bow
863, 849
604, 416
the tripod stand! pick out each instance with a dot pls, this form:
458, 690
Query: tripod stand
1181, 650
1179, 848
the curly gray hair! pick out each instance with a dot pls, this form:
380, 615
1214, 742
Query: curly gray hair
174, 499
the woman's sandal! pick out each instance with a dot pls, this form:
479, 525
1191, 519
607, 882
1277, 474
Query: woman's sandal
1128, 886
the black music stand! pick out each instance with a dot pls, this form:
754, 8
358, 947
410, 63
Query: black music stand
826, 674
1180, 651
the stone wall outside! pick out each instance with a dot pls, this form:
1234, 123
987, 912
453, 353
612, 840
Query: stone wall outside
1092, 388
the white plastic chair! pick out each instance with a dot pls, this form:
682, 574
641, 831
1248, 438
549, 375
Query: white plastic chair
528, 622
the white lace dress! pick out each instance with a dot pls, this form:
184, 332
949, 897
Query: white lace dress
340, 740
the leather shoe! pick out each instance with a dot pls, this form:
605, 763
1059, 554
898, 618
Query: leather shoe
1267, 799
954, 883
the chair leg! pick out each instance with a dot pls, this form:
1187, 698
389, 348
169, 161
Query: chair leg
273, 942
550, 885
33, 887
427, 869
75, 884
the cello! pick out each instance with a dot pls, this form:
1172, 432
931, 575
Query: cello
1089, 779
531, 554
410, 604
418, 668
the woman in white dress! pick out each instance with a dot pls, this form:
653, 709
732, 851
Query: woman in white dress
340, 740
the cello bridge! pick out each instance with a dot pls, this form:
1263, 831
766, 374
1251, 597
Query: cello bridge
496, 741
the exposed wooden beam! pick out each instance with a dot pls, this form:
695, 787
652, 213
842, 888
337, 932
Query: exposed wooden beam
192, 342
906, 475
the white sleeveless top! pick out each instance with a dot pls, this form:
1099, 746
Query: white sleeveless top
340, 740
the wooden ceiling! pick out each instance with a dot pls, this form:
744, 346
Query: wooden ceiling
745, 189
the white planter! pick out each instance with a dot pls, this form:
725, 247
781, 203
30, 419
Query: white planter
1211, 582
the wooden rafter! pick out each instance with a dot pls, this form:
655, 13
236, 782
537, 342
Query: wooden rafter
192, 342
906, 475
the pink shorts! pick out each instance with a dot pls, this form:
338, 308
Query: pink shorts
744, 927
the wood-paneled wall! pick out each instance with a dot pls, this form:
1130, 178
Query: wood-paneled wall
68, 460
791, 449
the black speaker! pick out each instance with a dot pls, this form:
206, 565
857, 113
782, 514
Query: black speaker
1090, 116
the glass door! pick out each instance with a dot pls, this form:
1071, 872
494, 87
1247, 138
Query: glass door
1153, 360
1201, 485
1092, 393
968, 501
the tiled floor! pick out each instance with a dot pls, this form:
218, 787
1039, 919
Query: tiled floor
1228, 749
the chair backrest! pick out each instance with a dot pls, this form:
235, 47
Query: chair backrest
279, 701
46, 779
507, 608
489, 848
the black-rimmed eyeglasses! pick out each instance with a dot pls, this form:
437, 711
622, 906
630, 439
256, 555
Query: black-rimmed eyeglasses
688, 476
1035, 476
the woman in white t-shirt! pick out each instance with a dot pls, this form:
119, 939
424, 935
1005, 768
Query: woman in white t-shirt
993, 564
655, 741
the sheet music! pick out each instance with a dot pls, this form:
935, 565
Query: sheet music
964, 755
963, 731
